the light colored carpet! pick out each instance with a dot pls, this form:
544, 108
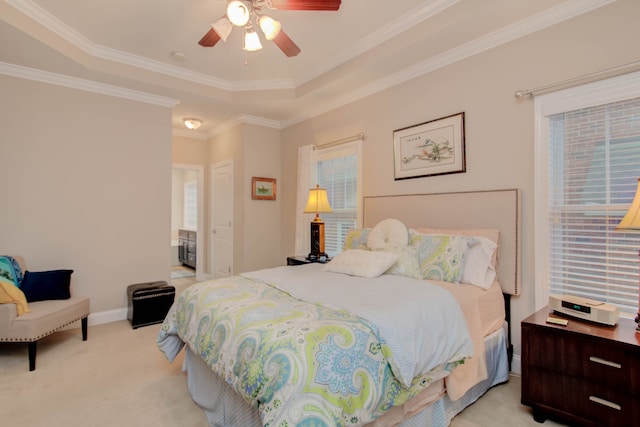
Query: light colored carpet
120, 378
179, 273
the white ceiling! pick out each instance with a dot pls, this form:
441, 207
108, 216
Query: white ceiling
365, 47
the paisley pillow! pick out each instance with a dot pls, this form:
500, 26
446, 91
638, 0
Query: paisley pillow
356, 239
442, 257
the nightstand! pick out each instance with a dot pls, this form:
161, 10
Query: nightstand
299, 260
584, 372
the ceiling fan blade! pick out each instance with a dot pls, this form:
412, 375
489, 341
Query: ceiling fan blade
210, 39
286, 44
306, 4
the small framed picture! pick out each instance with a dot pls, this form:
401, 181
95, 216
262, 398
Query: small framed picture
263, 188
431, 148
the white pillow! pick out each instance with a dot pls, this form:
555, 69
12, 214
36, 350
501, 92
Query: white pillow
478, 268
387, 233
362, 263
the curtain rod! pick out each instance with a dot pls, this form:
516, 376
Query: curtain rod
341, 141
615, 71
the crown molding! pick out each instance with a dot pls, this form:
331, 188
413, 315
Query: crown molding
559, 13
507, 34
387, 32
85, 85
189, 134
53, 24
245, 119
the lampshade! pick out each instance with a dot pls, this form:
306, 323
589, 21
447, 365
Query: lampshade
238, 13
631, 220
318, 201
251, 41
192, 124
270, 27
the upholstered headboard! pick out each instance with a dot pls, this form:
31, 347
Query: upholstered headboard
493, 209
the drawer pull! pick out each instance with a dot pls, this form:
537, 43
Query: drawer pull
605, 362
605, 402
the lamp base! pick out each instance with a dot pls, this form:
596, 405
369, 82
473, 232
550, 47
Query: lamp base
317, 240
319, 257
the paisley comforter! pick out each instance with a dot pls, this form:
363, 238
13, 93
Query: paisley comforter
310, 361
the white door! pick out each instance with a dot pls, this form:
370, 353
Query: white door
221, 253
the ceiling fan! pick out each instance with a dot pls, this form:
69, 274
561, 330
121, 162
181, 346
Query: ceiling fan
244, 13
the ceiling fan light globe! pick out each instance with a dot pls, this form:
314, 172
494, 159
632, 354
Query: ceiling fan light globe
222, 27
252, 41
270, 27
238, 13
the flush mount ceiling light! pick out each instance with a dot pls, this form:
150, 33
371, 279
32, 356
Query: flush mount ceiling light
249, 14
192, 124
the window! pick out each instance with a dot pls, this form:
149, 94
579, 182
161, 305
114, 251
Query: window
190, 205
587, 169
339, 172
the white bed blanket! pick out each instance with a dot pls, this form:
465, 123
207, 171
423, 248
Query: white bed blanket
420, 339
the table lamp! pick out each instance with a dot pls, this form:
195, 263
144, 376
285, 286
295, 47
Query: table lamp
631, 222
317, 203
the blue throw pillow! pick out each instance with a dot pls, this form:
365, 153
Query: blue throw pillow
10, 270
46, 285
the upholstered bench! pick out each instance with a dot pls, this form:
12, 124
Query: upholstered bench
45, 318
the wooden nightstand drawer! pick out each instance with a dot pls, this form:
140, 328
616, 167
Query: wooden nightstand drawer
598, 403
586, 373
575, 355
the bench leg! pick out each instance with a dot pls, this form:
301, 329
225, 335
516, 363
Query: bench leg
84, 328
32, 355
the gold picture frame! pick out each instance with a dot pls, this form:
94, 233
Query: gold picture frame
263, 188
431, 148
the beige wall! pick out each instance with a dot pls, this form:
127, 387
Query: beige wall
263, 237
254, 151
499, 128
86, 185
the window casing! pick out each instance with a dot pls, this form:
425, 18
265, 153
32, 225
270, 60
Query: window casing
339, 171
587, 167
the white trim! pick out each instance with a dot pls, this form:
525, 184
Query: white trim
504, 35
542, 20
516, 365
189, 134
423, 12
565, 11
597, 93
85, 85
107, 316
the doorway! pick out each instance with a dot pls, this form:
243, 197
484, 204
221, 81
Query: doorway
221, 238
187, 221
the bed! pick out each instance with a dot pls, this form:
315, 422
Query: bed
337, 344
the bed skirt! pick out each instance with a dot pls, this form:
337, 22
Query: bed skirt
224, 408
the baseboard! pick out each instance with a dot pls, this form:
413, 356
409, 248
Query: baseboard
516, 366
108, 316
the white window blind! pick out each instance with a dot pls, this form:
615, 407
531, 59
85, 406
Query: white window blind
593, 165
338, 172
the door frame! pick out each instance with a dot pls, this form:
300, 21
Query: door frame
200, 227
